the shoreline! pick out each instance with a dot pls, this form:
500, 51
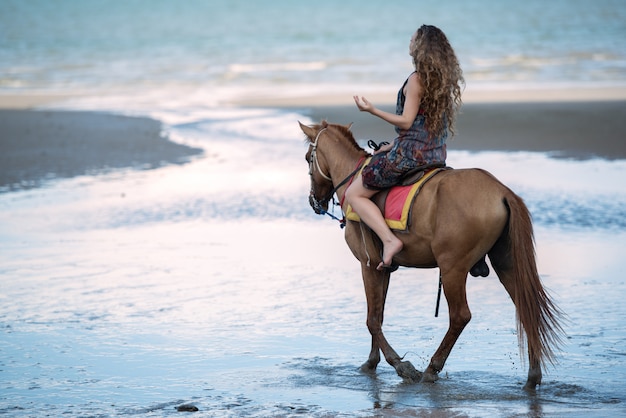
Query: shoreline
491, 95
38, 141
343, 96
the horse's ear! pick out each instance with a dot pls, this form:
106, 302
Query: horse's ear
308, 131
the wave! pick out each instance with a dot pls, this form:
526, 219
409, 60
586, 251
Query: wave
277, 67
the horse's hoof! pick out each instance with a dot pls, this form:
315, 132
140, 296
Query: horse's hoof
367, 368
429, 377
408, 373
531, 385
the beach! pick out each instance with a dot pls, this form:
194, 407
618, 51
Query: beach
40, 144
562, 129
191, 259
158, 252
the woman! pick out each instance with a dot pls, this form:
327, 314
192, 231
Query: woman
426, 110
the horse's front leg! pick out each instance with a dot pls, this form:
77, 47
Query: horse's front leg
376, 287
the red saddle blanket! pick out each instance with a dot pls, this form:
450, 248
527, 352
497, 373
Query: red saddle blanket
397, 203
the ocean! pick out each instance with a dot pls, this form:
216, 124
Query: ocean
233, 47
213, 284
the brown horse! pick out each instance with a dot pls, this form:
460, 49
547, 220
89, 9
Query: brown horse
459, 217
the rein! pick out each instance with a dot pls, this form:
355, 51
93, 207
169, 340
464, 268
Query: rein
349, 178
327, 198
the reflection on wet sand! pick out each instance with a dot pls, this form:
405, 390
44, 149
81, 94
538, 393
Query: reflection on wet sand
140, 291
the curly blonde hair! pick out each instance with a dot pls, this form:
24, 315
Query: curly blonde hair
438, 69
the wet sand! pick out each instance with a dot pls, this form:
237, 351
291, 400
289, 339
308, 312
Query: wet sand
237, 299
564, 129
41, 144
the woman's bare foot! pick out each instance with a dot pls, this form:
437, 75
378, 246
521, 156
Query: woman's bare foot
390, 249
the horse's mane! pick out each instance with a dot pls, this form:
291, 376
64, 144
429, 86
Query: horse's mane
340, 130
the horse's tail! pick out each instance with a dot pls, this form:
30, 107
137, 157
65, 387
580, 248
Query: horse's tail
537, 315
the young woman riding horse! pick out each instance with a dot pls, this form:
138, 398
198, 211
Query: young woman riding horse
458, 217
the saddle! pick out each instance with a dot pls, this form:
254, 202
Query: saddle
418, 173
395, 203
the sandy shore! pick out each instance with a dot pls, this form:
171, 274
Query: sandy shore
565, 129
565, 122
39, 144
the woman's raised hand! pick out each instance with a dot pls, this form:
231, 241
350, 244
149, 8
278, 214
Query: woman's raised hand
363, 104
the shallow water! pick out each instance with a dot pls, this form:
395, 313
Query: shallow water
135, 292
141, 320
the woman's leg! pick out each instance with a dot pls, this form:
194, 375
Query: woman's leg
359, 198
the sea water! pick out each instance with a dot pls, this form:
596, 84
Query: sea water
213, 283
235, 45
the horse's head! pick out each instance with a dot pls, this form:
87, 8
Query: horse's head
332, 151
321, 182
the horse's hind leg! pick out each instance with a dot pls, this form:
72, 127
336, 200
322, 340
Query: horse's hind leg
460, 315
506, 277
376, 286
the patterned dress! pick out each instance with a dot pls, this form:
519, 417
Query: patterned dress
411, 149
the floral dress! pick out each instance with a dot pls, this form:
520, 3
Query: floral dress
412, 148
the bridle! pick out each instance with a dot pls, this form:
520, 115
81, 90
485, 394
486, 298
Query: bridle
318, 205
314, 161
